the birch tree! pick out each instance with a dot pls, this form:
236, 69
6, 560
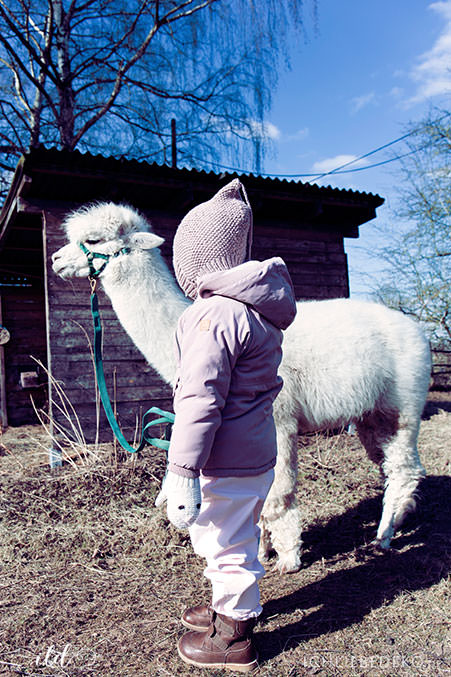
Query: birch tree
417, 275
108, 75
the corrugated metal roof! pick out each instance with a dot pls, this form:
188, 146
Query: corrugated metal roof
77, 159
49, 174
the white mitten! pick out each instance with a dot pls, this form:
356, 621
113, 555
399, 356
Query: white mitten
183, 497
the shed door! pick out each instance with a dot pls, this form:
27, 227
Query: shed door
23, 315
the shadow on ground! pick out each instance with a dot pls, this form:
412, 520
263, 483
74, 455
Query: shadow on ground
433, 407
346, 596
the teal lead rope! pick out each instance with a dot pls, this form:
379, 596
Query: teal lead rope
165, 417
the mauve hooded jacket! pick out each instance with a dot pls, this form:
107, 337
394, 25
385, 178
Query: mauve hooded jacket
229, 345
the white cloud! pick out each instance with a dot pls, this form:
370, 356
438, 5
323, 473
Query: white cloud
267, 130
329, 164
396, 92
433, 71
359, 102
263, 130
297, 136
442, 6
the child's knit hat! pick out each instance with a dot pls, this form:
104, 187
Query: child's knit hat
215, 235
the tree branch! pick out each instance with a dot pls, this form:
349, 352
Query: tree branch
20, 36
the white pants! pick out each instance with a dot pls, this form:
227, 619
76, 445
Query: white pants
226, 533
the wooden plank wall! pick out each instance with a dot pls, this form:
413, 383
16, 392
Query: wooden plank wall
316, 261
441, 369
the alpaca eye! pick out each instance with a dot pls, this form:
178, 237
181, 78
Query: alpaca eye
181, 507
92, 241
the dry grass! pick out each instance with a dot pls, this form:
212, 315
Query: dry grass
93, 579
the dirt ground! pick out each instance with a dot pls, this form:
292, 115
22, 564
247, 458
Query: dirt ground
93, 580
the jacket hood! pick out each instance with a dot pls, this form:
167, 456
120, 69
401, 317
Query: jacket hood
266, 286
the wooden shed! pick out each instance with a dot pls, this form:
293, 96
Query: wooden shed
47, 317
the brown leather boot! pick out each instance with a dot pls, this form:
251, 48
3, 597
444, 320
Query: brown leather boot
197, 617
226, 644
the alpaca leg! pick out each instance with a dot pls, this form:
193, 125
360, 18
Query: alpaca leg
280, 518
266, 545
391, 441
286, 538
403, 471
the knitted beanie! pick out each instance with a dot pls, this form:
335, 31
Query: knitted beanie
215, 235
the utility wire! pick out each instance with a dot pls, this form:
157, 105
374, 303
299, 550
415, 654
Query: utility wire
337, 170
376, 164
345, 171
376, 150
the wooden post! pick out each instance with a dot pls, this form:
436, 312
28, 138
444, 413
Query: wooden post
3, 410
55, 455
174, 143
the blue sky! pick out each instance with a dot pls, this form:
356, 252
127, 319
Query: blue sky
368, 70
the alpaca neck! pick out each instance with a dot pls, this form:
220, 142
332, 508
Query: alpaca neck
148, 304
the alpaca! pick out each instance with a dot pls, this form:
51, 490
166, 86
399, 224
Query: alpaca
343, 361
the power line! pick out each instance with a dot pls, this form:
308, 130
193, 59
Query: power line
337, 170
240, 170
346, 171
377, 164
377, 150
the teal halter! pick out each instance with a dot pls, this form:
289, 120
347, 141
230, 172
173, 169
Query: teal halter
95, 272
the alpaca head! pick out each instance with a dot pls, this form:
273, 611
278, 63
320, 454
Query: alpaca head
104, 228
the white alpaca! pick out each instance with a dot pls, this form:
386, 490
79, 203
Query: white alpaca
343, 361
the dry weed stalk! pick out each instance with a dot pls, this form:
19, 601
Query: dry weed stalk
67, 437
9, 452
114, 456
325, 449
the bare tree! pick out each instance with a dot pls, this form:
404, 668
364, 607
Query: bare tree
108, 75
417, 275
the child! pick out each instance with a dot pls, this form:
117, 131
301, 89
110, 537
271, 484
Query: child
223, 447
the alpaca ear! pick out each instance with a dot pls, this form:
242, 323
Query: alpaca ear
146, 240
